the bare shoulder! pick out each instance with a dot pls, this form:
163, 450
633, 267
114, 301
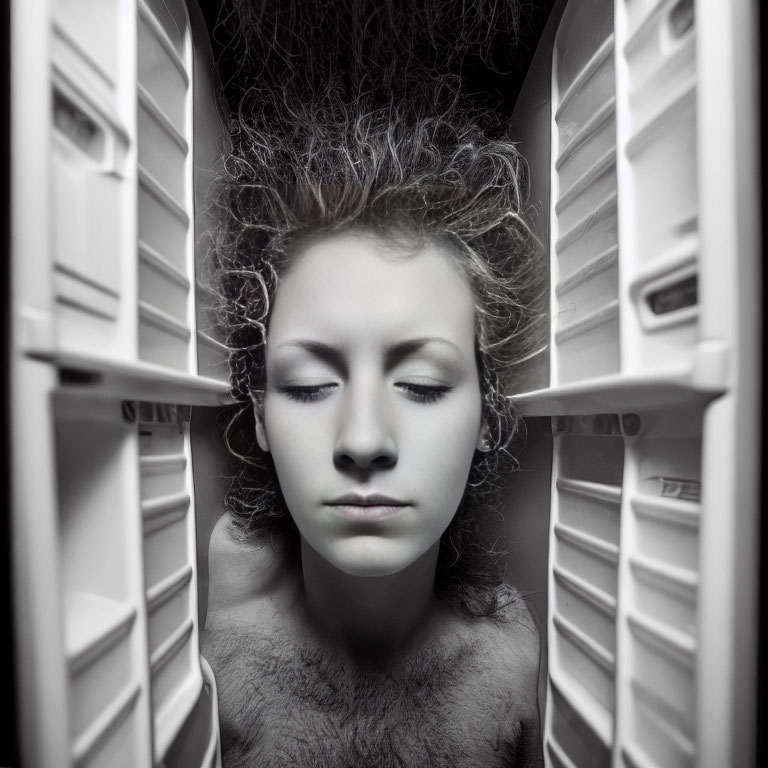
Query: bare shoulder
517, 629
510, 643
241, 570
513, 646
500, 695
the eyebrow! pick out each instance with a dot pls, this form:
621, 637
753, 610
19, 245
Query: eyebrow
394, 353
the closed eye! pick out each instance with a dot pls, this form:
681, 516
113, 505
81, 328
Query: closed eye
423, 393
307, 393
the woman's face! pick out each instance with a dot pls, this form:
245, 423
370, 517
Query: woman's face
372, 410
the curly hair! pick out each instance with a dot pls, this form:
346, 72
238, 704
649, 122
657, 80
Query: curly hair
409, 177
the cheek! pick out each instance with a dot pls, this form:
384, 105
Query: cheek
444, 464
295, 447
291, 427
442, 448
451, 431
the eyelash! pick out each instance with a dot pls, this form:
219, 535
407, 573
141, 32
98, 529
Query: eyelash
424, 393
306, 393
420, 393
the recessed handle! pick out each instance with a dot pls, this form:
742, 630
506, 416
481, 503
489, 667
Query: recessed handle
678, 295
78, 126
681, 18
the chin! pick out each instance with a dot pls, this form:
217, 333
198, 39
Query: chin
372, 557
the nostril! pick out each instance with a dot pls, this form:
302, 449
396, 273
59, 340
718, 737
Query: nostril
343, 460
387, 460
362, 461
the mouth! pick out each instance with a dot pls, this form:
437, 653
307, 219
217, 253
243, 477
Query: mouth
367, 500
367, 507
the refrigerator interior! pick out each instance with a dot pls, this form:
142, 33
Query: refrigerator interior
635, 514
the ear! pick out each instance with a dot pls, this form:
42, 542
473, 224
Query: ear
484, 438
258, 414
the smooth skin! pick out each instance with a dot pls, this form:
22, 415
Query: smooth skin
372, 390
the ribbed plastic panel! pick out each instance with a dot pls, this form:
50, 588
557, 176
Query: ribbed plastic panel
659, 222
128, 571
656, 54
90, 176
100, 554
584, 216
117, 291
169, 566
165, 176
629, 492
624, 576
584, 563
103, 318
660, 575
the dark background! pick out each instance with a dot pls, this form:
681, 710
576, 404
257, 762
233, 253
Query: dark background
494, 83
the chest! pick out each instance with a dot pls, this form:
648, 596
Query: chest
284, 703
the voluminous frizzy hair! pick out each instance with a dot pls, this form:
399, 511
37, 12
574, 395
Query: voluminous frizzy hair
410, 177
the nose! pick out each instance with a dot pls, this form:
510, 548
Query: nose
365, 438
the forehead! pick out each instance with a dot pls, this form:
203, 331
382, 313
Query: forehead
363, 286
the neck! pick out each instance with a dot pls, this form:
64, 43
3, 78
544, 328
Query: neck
373, 617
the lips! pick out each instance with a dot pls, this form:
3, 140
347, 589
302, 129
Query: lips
367, 500
367, 507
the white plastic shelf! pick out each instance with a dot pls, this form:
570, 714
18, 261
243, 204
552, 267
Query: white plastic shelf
161, 284
593, 508
99, 543
663, 693
137, 381
667, 530
660, 567
585, 606
111, 738
667, 593
90, 182
659, 212
581, 730
168, 606
162, 475
653, 296
97, 623
99, 655
585, 547
118, 289
165, 309
690, 382
169, 568
103, 312
585, 295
